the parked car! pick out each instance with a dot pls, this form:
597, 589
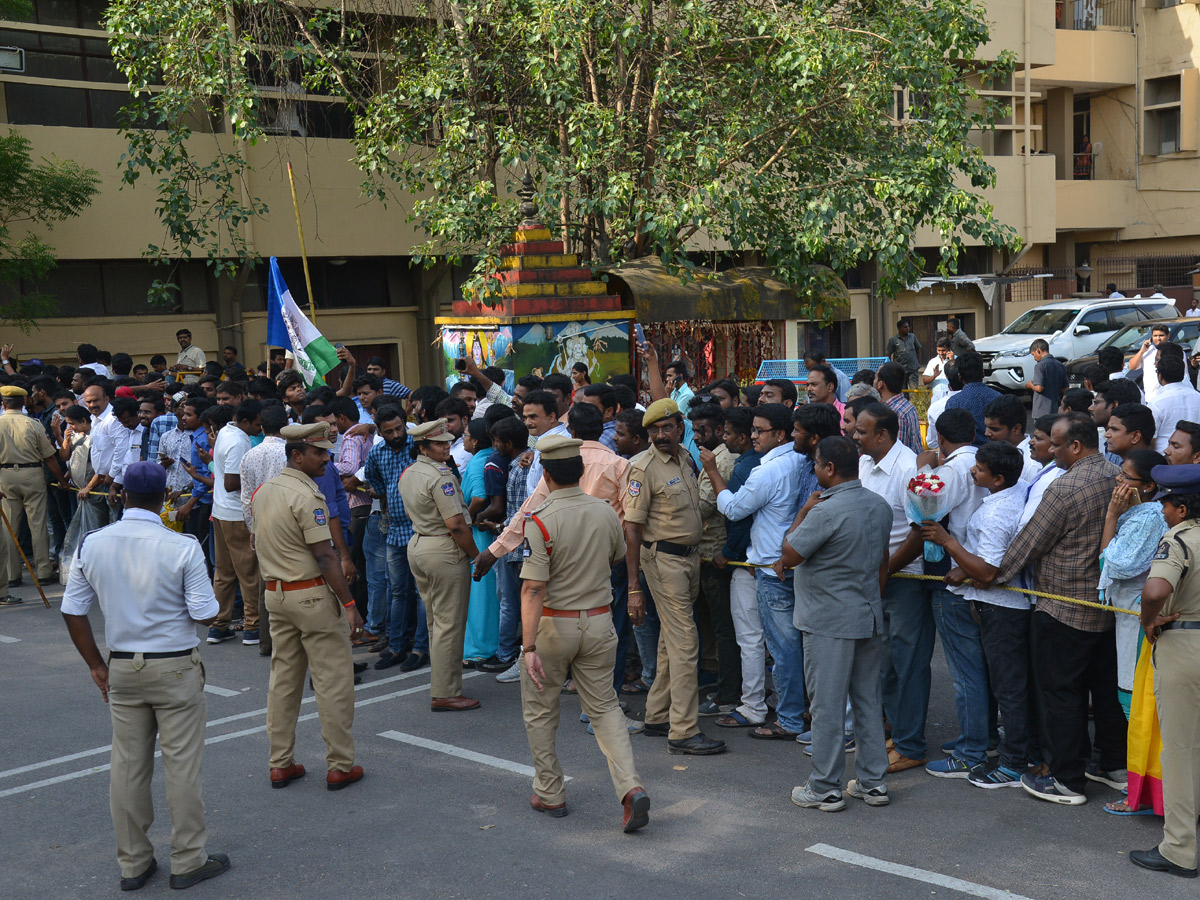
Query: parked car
1130, 338
1073, 328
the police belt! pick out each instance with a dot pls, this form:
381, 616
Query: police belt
1188, 625
36, 465
575, 613
273, 584
670, 547
125, 654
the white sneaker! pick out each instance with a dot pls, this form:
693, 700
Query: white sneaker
511, 674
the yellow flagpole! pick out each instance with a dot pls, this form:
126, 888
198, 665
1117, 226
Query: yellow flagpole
312, 307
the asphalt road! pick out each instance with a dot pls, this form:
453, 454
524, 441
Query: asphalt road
426, 823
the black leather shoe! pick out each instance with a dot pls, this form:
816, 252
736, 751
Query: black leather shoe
16, 582
217, 863
360, 667
1156, 862
414, 661
387, 659
657, 729
696, 745
138, 881
494, 664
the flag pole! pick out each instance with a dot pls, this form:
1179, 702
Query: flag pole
312, 308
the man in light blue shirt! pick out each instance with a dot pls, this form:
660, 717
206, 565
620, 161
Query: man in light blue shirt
677, 381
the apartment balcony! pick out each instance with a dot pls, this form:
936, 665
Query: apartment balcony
1094, 46
1092, 201
1094, 15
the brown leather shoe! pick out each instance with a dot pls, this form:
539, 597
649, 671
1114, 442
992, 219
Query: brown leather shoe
335, 780
281, 778
898, 762
453, 704
556, 812
637, 810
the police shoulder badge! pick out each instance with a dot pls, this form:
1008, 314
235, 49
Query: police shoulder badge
635, 488
1163, 551
448, 489
319, 516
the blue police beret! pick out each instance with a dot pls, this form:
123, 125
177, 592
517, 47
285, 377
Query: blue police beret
149, 478
1183, 479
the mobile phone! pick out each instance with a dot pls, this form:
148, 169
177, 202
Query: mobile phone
641, 335
338, 345
460, 364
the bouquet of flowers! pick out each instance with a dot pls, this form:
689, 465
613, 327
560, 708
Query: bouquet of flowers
925, 501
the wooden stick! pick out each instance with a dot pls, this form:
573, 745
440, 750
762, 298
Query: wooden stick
24, 558
312, 307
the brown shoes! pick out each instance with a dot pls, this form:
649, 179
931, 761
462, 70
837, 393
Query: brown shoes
898, 762
453, 704
637, 810
335, 780
281, 778
557, 812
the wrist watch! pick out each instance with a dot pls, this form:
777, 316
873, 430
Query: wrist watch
530, 649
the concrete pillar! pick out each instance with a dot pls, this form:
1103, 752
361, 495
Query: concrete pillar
1060, 127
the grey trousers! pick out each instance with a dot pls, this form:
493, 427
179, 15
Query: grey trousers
836, 669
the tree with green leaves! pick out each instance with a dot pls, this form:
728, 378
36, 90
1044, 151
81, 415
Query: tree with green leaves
651, 127
36, 195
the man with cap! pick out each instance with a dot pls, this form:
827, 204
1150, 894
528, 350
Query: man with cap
662, 532
1170, 614
312, 615
440, 554
152, 586
23, 448
571, 542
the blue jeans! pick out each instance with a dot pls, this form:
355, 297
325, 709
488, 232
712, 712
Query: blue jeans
421, 638
965, 659
508, 584
375, 557
646, 634
620, 617
403, 613
776, 605
908, 624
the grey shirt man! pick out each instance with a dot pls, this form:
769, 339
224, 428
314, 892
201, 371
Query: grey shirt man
960, 343
905, 350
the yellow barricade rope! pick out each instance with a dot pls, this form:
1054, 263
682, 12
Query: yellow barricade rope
1100, 606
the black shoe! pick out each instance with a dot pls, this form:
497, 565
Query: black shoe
358, 679
16, 582
138, 881
657, 729
11, 601
494, 664
264, 648
379, 646
1156, 862
216, 864
387, 659
414, 661
696, 745
360, 667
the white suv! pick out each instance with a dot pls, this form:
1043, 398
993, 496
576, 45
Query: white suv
1072, 328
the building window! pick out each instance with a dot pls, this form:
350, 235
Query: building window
119, 288
1163, 102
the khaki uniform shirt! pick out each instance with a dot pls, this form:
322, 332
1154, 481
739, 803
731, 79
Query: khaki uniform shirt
22, 439
585, 543
663, 496
289, 513
431, 495
1177, 561
713, 538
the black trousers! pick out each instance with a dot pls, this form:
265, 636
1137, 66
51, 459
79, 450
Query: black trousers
1004, 633
1068, 665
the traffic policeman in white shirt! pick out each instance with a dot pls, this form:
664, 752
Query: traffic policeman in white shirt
152, 586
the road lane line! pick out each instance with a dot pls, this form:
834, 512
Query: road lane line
450, 750
221, 692
891, 868
5, 639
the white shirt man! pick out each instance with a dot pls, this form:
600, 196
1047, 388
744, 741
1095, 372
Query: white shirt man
127, 449
1032, 466
963, 495
936, 408
1150, 384
1193, 311
889, 479
1175, 401
1036, 488
231, 445
460, 455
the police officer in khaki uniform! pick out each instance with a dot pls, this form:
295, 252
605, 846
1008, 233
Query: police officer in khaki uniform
571, 543
440, 556
662, 531
312, 615
23, 448
1171, 617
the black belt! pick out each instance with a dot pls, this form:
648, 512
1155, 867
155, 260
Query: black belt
36, 465
1188, 625
670, 547
125, 654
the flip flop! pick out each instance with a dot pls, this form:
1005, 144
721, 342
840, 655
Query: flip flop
735, 720
635, 687
773, 732
1108, 808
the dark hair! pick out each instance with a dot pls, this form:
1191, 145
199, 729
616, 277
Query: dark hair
1094, 375
154, 400
956, 426
1144, 461
1119, 391
456, 390
786, 388
884, 416
478, 430
818, 419
953, 379
199, 405
826, 372
740, 419
286, 379
495, 375
44, 383
582, 369
122, 364
728, 385
627, 399
858, 404
237, 389
124, 406
751, 393
1190, 501
217, 416
247, 411
103, 356
343, 406
546, 400
632, 420
842, 453
903, 322
321, 394
530, 382
1001, 458
1171, 368
374, 382
608, 396
430, 396
943, 343
1039, 345
387, 413
230, 347
1076, 400
623, 379
1111, 359
158, 358
556, 381
77, 413
970, 367
86, 353
816, 356
262, 387
453, 406
778, 416
511, 430
585, 422
1192, 430
892, 375
183, 331
564, 471
863, 376
312, 413
496, 412
274, 418
1006, 409
707, 412
377, 361
1081, 428
145, 501
680, 367
1160, 327
1045, 423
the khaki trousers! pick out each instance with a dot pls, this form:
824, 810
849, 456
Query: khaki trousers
1177, 695
310, 634
588, 645
674, 581
163, 697
234, 562
443, 577
25, 495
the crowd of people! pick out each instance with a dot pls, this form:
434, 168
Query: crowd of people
754, 552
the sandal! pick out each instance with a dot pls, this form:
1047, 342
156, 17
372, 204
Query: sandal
635, 687
773, 732
736, 720
1121, 808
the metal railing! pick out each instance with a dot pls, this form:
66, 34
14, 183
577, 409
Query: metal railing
1132, 275
1093, 15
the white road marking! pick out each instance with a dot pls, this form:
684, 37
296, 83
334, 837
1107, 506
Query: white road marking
221, 692
891, 868
5, 639
450, 750
215, 739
